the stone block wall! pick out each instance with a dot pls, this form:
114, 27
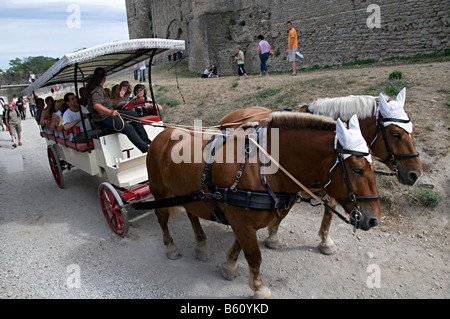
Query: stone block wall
330, 32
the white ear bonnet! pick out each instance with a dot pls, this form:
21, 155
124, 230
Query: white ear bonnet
351, 138
395, 110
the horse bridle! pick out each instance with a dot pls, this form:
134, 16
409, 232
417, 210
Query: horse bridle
355, 214
391, 156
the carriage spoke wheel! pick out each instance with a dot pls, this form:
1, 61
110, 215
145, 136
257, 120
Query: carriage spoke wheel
113, 209
55, 166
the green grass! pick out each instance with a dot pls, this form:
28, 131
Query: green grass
389, 87
424, 196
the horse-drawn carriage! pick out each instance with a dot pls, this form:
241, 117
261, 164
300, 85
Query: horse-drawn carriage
227, 181
110, 154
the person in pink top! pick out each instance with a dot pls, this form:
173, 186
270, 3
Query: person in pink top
264, 49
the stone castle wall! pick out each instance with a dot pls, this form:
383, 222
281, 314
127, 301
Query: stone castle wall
330, 32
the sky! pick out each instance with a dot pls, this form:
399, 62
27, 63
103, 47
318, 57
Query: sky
53, 28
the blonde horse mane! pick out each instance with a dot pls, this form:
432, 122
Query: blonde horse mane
363, 106
290, 120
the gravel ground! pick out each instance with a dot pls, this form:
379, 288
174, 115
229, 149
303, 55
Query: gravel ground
55, 243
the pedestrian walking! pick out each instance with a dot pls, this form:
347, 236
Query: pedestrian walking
292, 46
240, 57
13, 122
264, 50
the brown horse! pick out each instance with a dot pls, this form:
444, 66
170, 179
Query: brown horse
305, 147
392, 144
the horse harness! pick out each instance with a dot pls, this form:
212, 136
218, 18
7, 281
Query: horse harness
248, 199
270, 200
255, 200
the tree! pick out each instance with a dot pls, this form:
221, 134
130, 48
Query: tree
37, 65
15, 64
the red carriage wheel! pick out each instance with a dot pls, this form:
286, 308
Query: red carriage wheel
55, 166
113, 208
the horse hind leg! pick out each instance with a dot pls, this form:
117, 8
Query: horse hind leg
202, 250
172, 251
327, 246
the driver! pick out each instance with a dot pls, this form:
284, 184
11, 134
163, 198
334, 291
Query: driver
104, 115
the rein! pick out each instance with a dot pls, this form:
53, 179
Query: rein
355, 214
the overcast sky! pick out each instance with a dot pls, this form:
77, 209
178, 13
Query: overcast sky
55, 27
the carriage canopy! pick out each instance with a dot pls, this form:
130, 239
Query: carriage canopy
113, 56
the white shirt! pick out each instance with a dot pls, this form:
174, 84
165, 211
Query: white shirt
70, 116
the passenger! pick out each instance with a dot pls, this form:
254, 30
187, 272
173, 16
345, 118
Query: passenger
105, 116
115, 93
143, 105
48, 102
46, 116
123, 102
71, 118
40, 108
57, 118
83, 95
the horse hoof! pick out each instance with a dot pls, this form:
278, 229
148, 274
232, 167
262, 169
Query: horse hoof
202, 255
202, 251
173, 253
228, 272
327, 250
262, 293
272, 244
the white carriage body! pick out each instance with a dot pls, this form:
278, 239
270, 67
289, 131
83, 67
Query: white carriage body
113, 155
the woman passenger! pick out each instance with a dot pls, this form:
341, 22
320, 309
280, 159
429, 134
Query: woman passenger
56, 123
143, 105
46, 116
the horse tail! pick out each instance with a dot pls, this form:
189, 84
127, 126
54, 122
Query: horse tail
176, 211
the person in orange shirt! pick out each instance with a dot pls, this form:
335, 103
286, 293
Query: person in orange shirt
292, 47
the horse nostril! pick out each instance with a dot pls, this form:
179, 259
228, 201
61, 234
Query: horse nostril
373, 222
413, 177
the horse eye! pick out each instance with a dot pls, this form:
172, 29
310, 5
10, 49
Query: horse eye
358, 171
397, 135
